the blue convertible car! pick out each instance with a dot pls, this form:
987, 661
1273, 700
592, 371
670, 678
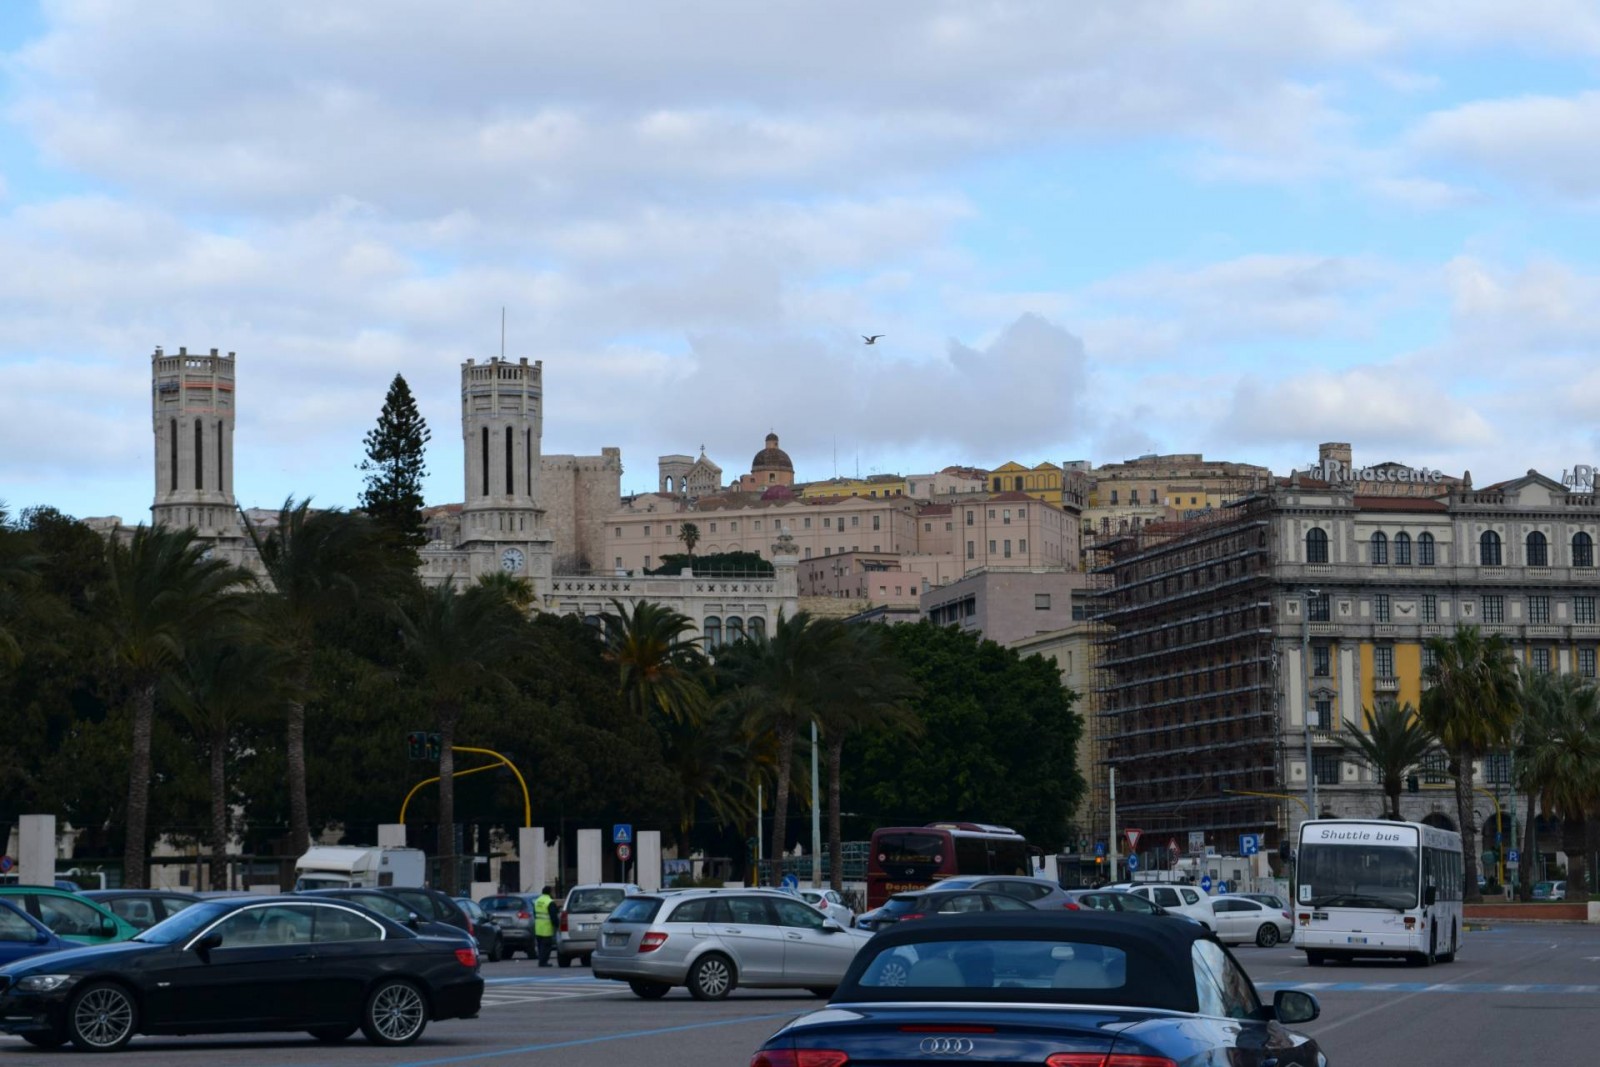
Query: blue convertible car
1067, 990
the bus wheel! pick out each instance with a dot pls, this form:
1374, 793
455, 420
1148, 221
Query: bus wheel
1450, 957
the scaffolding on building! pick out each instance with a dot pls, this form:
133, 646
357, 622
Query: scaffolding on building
1185, 674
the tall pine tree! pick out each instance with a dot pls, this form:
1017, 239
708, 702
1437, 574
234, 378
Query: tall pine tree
395, 467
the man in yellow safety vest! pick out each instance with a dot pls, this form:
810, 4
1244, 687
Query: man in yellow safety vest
544, 925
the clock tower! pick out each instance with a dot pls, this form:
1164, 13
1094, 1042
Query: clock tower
502, 419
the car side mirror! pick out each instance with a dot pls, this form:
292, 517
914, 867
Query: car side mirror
108, 926
831, 926
204, 946
1430, 896
414, 921
1295, 1006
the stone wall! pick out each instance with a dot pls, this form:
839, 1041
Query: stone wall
576, 494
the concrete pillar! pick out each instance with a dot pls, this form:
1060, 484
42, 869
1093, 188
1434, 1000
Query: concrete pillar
533, 858
36, 850
649, 860
392, 835
589, 845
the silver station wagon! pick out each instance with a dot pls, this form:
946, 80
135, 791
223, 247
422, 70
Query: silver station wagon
712, 940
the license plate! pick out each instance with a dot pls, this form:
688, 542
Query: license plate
588, 926
1356, 940
613, 940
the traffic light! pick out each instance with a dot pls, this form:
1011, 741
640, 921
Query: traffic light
433, 748
416, 745
1411, 783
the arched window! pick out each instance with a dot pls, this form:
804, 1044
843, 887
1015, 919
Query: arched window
1380, 549
199, 454
510, 465
485, 457
1425, 557
758, 627
172, 440
1402, 549
1582, 550
1316, 545
1489, 549
1538, 550
712, 628
220, 486
735, 629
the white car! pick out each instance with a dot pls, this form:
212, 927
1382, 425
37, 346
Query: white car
1240, 920
1180, 900
831, 904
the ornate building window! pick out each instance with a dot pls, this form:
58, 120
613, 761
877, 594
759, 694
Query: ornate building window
1425, 555
1379, 553
712, 628
758, 627
1316, 545
1538, 550
735, 629
1582, 550
1489, 549
1402, 549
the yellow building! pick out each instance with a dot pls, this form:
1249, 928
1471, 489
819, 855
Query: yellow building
873, 487
1042, 482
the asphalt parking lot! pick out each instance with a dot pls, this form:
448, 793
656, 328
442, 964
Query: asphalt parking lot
1519, 994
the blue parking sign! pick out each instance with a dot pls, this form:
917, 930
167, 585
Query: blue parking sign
1513, 856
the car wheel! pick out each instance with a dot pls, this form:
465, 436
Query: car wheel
823, 992
332, 1034
711, 978
1268, 935
564, 961
52, 1039
648, 990
1313, 959
497, 953
588, 959
102, 1017
396, 1013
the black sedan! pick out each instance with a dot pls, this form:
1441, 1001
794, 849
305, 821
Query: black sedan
920, 905
1065, 989
242, 965
393, 908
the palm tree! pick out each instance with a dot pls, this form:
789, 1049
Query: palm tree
162, 594
689, 534
318, 565
1539, 698
230, 676
779, 683
17, 581
1394, 742
458, 642
870, 690
659, 667
518, 592
709, 760
1563, 765
1470, 705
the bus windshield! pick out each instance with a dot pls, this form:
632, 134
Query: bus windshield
1358, 876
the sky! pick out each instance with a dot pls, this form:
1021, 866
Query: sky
1086, 230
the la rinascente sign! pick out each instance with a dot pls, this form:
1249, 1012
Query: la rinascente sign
1335, 473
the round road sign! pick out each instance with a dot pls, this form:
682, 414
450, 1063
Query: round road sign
623, 852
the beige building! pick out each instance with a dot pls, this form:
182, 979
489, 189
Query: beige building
1072, 649
1006, 604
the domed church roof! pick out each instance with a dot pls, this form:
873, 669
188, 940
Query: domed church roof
772, 457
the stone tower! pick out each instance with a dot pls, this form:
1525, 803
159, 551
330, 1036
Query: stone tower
192, 407
502, 420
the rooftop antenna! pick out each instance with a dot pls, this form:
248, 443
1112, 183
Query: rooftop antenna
502, 333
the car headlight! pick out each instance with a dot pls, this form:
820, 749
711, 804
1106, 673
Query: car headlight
45, 983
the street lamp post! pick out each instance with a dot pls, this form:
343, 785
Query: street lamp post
1305, 680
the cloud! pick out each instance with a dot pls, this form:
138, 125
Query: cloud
1547, 143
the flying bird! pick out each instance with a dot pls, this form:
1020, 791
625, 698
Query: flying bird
871, 340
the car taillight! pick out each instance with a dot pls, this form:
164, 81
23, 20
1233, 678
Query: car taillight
652, 940
947, 1028
523, 915
1305, 920
564, 923
1106, 1059
1070, 906
467, 957
804, 1057
912, 915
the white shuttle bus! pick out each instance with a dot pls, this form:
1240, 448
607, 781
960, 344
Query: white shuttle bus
1372, 888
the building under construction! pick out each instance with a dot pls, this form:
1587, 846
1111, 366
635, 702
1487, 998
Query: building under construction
1186, 677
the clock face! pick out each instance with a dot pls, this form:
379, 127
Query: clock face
511, 560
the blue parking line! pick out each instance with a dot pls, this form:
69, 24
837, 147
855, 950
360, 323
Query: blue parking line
1542, 989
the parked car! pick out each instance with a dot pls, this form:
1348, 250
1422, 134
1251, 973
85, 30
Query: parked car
1182, 899
713, 940
21, 935
431, 904
830, 903
278, 963
582, 913
1241, 920
1119, 901
391, 908
1550, 891
1035, 892
1021, 987
1271, 900
69, 915
490, 941
142, 908
514, 914
920, 905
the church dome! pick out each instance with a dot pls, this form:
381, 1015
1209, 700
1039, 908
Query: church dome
771, 458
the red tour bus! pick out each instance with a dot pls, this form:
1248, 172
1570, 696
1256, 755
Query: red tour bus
905, 858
